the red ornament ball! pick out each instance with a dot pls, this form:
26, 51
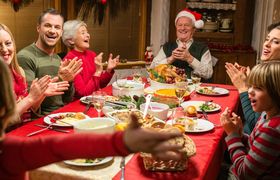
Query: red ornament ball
103, 1
16, 1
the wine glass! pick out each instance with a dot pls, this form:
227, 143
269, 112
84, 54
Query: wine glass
121, 82
196, 77
99, 99
149, 69
137, 72
180, 90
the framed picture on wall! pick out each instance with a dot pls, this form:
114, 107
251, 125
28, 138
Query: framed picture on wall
234, 1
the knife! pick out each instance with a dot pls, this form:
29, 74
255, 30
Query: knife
205, 115
122, 167
51, 128
88, 106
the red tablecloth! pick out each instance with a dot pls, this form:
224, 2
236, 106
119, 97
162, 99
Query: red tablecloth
210, 145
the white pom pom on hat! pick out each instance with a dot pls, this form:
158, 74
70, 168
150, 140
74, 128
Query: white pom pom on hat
194, 16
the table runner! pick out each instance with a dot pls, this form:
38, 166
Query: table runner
210, 145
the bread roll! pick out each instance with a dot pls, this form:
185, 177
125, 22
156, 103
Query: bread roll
189, 124
80, 115
191, 111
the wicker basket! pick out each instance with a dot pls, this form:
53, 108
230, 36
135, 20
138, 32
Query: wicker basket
153, 164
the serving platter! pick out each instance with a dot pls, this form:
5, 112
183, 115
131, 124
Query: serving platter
196, 104
48, 120
105, 160
200, 122
109, 114
220, 91
108, 98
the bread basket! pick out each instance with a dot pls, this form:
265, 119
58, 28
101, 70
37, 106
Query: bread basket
151, 163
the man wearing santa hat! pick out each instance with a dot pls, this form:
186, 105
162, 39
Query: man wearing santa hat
185, 53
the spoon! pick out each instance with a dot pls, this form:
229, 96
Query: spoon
148, 99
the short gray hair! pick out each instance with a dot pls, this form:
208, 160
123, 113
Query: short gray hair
70, 29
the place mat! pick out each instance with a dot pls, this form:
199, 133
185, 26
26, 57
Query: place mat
63, 171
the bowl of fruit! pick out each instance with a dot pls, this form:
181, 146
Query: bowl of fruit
164, 76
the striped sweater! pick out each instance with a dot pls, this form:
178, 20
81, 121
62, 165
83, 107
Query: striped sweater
257, 156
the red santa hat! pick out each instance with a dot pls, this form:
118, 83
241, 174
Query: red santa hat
194, 16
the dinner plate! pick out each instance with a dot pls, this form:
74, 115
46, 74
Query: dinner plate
107, 159
84, 99
109, 114
48, 119
196, 104
200, 122
221, 91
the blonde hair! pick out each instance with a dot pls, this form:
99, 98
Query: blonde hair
267, 75
14, 64
7, 97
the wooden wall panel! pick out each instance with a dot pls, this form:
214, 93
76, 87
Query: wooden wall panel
23, 23
118, 36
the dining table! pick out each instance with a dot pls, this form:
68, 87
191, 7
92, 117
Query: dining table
210, 146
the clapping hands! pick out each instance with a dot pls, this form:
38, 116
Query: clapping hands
238, 76
38, 87
56, 88
98, 64
112, 63
138, 139
183, 54
233, 124
69, 69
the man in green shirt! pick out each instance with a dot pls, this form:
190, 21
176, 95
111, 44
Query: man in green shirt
39, 59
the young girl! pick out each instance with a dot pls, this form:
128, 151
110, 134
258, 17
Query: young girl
19, 155
257, 156
26, 102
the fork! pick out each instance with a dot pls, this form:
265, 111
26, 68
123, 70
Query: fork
122, 167
40, 130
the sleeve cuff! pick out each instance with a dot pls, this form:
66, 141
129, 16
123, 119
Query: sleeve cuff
120, 146
195, 63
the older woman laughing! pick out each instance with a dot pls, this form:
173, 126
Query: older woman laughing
92, 78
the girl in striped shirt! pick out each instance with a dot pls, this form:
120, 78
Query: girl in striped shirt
257, 156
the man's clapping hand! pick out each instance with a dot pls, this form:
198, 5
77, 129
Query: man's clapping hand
69, 69
183, 54
56, 88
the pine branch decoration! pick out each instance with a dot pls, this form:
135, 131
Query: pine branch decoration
19, 4
86, 7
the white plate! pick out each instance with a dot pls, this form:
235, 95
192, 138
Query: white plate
107, 159
109, 114
196, 104
83, 99
201, 122
48, 120
221, 92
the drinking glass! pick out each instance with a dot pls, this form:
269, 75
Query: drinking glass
99, 99
121, 82
137, 72
180, 90
178, 112
196, 77
149, 69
